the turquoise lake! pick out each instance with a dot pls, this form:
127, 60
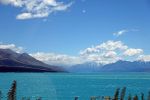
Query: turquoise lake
65, 86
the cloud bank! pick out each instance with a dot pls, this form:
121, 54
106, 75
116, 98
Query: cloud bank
36, 8
110, 52
103, 53
57, 59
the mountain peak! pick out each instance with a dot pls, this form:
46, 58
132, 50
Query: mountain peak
10, 59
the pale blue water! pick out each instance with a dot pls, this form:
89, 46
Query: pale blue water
64, 86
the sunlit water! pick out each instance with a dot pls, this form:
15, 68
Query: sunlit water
65, 86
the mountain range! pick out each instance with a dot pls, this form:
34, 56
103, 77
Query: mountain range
11, 61
85, 67
119, 66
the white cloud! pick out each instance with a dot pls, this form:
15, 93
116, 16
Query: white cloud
16, 3
36, 8
121, 32
12, 47
106, 46
112, 45
24, 16
57, 59
109, 52
133, 52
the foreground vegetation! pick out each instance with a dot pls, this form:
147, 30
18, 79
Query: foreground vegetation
11, 95
118, 95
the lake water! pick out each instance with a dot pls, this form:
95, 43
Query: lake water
64, 86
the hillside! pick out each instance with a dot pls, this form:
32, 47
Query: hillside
11, 61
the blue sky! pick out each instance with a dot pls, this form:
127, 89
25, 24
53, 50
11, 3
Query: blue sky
80, 25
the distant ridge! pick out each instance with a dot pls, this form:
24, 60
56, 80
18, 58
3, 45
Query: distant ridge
85, 67
11, 61
119, 66
126, 66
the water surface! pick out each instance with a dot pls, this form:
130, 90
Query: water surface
64, 86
